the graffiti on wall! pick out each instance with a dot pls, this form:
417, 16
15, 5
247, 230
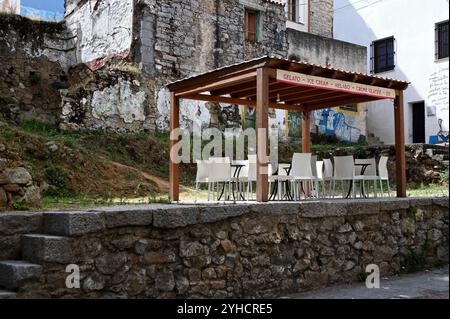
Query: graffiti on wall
338, 123
345, 124
438, 94
294, 124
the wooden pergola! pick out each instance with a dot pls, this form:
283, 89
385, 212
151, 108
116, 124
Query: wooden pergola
269, 82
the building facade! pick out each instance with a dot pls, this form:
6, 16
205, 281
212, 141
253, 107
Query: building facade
119, 55
409, 41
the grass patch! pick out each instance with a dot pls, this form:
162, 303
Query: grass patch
413, 261
427, 191
361, 276
20, 206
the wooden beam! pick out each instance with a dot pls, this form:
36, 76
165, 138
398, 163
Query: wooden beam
262, 120
250, 91
331, 96
337, 103
216, 75
400, 158
174, 170
219, 84
285, 94
245, 102
312, 95
235, 88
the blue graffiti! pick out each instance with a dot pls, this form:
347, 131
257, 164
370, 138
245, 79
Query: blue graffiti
332, 123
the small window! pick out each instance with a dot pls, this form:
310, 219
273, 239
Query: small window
352, 108
383, 55
251, 21
296, 11
442, 40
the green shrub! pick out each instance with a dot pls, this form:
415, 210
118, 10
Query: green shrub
57, 179
34, 78
361, 277
20, 206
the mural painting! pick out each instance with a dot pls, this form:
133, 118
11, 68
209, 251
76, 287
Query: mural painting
340, 123
345, 124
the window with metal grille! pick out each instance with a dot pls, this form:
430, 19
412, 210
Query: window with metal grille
441, 30
251, 22
383, 55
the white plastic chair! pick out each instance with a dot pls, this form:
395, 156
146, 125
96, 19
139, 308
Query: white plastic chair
370, 174
251, 175
219, 172
344, 170
202, 176
281, 178
327, 174
301, 172
315, 175
383, 174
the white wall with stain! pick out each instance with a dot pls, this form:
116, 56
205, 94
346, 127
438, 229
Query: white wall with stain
119, 100
102, 27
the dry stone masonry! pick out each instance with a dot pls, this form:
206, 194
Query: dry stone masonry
257, 250
16, 184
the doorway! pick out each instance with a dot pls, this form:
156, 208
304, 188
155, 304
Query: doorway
418, 122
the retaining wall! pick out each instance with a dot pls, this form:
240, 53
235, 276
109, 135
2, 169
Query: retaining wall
255, 250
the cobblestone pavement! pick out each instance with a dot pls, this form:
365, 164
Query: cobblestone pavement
432, 284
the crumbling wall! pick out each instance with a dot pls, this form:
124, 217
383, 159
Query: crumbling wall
34, 57
101, 27
177, 39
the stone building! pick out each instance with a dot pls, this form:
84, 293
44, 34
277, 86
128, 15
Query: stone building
116, 57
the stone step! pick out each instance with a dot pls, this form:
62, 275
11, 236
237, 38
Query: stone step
7, 295
41, 249
14, 273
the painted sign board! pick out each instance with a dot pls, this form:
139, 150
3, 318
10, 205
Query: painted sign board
334, 85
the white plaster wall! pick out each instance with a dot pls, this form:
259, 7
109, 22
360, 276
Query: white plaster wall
191, 112
412, 23
119, 100
102, 27
10, 6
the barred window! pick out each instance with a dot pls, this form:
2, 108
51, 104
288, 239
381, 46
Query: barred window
383, 55
441, 40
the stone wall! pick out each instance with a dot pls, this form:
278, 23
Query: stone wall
426, 164
259, 250
16, 185
177, 39
100, 28
120, 55
321, 17
34, 58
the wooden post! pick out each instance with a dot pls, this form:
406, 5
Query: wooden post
174, 170
400, 144
306, 132
262, 114
306, 143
